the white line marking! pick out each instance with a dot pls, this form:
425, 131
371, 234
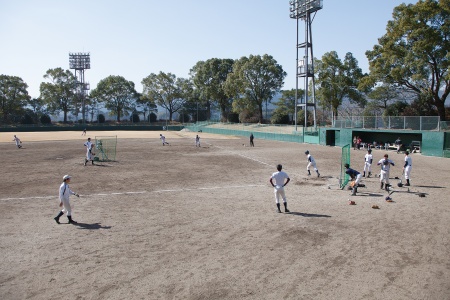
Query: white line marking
248, 157
142, 192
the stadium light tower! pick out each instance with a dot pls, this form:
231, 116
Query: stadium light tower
80, 62
302, 9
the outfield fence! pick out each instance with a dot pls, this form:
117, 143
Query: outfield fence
286, 133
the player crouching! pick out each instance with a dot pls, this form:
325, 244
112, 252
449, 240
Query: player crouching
355, 176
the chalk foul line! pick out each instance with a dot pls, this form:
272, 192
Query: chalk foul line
141, 192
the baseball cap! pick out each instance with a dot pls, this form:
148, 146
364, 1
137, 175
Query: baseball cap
66, 177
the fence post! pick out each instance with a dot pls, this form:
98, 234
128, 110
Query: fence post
420, 123
404, 122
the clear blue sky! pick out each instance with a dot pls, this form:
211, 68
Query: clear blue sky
137, 37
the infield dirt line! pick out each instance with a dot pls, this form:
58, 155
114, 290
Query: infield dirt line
140, 192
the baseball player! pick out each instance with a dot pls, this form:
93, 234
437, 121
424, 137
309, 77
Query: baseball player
407, 167
355, 176
251, 140
163, 139
311, 162
18, 142
84, 132
89, 154
197, 141
368, 158
64, 193
384, 174
280, 177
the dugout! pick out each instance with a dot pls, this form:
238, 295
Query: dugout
432, 143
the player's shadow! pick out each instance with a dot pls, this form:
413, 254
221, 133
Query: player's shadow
308, 215
91, 226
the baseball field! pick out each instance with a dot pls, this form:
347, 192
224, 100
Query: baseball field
183, 222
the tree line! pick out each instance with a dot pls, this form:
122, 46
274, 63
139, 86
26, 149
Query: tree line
408, 75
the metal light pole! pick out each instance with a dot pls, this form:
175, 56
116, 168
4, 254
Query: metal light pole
80, 62
302, 9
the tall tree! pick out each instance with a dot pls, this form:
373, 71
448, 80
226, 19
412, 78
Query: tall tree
13, 96
338, 80
117, 93
209, 78
167, 91
60, 92
286, 105
253, 81
414, 52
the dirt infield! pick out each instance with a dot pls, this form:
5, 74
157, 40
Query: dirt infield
181, 222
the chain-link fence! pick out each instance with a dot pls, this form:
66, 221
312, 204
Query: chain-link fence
389, 122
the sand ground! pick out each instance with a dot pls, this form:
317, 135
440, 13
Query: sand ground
181, 222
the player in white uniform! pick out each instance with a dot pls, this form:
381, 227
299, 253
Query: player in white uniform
197, 141
279, 185
368, 158
311, 162
407, 167
384, 174
163, 139
64, 193
18, 142
89, 154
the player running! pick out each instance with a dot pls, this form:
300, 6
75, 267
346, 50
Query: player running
163, 139
18, 142
311, 162
279, 185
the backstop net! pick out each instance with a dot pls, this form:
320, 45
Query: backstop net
345, 159
105, 148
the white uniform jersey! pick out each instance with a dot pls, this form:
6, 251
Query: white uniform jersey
279, 178
163, 138
385, 164
368, 158
311, 159
408, 161
17, 140
65, 191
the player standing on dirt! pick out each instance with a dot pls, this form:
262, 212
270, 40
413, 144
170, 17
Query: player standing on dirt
163, 139
18, 142
64, 193
311, 162
407, 167
89, 155
355, 176
197, 141
368, 158
251, 140
280, 177
384, 174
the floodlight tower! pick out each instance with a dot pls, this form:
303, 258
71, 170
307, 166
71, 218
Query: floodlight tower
80, 62
302, 9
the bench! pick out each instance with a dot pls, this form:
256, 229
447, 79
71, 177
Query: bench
415, 146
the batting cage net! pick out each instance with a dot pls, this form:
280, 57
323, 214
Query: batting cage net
345, 159
105, 148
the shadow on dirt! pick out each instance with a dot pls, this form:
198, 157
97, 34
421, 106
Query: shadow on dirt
308, 215
91, 226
